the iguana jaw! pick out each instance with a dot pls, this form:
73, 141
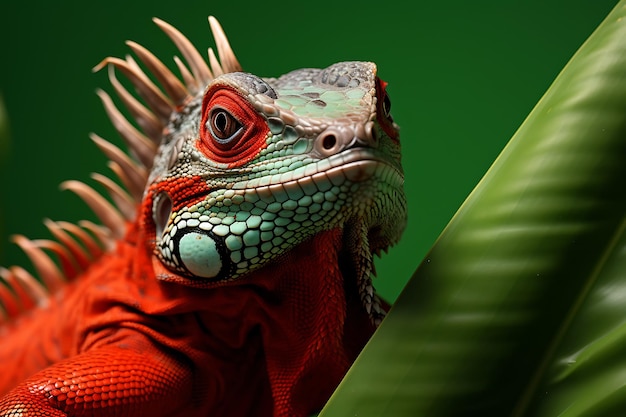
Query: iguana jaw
241, 228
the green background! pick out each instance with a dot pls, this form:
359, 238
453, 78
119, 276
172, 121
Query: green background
462, 77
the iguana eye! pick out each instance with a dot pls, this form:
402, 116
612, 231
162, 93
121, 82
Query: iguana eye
232, 132
383, 110
387, 107
224, 127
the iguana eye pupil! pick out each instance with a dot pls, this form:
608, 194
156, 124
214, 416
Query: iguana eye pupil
221, 121
224, 126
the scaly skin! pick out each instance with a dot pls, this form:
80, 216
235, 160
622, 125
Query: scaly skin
242, 285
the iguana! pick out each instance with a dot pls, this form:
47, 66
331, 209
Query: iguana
232, 273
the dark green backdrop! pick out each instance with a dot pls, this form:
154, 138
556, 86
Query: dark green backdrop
462, 77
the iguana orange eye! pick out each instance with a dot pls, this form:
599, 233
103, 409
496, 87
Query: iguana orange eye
223, 126
231, 131
387, 107
383, 110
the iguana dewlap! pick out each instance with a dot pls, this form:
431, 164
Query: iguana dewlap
231, 276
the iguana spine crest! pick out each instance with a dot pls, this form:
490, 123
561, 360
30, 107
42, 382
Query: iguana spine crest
76, 246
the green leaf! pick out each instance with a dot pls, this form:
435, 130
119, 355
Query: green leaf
519, 308
588, 372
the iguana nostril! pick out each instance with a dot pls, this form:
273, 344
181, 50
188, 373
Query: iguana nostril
329, 142
332, 141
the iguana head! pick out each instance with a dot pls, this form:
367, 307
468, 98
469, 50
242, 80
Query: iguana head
249, 167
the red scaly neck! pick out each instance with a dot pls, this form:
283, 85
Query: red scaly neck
307, 314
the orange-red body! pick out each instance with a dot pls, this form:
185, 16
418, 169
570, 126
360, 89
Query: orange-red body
274, 343
232, 275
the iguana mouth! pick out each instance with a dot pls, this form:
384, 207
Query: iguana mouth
355, 164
